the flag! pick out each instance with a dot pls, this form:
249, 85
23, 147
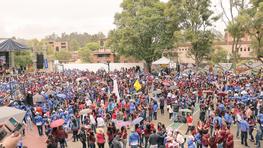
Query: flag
137, 85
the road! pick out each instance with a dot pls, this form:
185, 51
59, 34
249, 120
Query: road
32, 140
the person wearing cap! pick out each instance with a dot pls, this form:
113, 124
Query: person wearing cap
39, 123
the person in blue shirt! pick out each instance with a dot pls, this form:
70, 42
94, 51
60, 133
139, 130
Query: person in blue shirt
197, 139
39, 123
191, 143
228, 118
134, 139
244, 127
155, 109
218, 119
132, 108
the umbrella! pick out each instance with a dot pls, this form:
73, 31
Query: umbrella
222, 94
85, 111
166, 83
57, 123
185, 110
157, 92
50, 92
244, 92
208, 91
167, 76
137, 120
63, 96
38, 98
173, 87
123, 123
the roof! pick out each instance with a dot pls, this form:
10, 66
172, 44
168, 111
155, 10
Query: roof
11, 45
162, 60
103, 51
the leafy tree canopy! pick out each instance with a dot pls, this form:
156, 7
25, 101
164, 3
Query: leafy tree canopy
142, 30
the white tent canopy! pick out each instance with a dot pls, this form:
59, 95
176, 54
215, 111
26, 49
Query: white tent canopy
162, 60
8, 112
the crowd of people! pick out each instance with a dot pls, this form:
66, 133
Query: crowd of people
102, 108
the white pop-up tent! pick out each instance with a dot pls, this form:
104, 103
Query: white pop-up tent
8, 112
162, 61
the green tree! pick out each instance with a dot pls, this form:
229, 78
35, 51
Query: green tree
85, 54
92, 46
141, 30
23, 58
219, 55
196, 23
235, 24
63, 56
73, 44
254, 26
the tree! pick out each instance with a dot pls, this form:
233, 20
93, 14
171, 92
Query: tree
23, 58
63, 56
141, 30
196, 23
235, 25
254, 26
84, 54
73, 44
92, 46
218, 56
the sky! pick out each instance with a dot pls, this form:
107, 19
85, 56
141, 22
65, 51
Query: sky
30, 19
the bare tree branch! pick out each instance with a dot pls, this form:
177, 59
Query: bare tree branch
224, 11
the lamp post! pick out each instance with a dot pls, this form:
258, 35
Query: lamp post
108, 63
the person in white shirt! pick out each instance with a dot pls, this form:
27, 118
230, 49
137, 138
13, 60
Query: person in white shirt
100, 122
170, 110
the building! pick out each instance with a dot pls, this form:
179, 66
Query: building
58, 46
103, 56
107, 56
245, 49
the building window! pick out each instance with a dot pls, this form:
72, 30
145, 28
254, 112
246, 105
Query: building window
63, 46
57, 49
240, 49
63, 43
103, 55
248, 49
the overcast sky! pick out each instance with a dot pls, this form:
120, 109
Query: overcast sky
38, 18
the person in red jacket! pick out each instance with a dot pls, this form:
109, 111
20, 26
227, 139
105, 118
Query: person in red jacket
212, 142
229, 141
205, 140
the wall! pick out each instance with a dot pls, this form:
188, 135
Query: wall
96, 66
